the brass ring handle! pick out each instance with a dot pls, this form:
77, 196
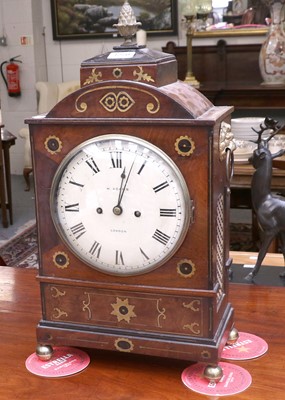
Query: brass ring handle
229, 164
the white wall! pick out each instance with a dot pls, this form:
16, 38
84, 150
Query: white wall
64, 57
56, 61
15, 109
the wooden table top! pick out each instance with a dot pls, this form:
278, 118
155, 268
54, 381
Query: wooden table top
116, 376
242, 257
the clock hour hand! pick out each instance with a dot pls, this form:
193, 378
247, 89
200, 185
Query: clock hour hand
117, 210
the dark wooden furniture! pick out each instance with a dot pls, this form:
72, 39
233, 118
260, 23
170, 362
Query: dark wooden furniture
113, 376
243, 174
279, 164
229, 75
7, 140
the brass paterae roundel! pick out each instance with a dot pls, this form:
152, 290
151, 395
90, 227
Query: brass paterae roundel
117, 73
53, 144
124, 345
184, 146
60, 260
186, 268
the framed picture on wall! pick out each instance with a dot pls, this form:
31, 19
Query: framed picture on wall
239, 6
82, 19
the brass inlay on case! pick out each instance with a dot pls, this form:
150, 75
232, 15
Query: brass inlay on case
186, 268
57, 292
226, 141
161, 313
152, 107
117, 73
124, 345
205, 354
142, 76
59, 313
53, 144
184, 146
123, 310
60, 260
86, 305
94, 77
193, 305
194, 328
121, 101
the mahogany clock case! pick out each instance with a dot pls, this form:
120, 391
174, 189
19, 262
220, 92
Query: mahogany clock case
180, 309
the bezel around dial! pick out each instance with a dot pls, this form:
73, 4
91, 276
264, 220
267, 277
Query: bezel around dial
120, 204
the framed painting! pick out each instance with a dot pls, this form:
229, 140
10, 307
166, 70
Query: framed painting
82, 19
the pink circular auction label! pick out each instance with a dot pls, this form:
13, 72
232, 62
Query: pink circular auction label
64, 361
246, 348
235, 380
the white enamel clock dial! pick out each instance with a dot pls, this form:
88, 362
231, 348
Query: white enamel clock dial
120, 204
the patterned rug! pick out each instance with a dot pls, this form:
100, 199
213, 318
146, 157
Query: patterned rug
22, 250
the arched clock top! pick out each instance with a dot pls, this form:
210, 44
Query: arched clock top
126, 99
189, 97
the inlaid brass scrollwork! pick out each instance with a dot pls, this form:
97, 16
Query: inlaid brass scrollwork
142, 76
86, 305
121, 101
194, 328
115, 100
94, 77
161, 313
57, 292
192, 306
59, 313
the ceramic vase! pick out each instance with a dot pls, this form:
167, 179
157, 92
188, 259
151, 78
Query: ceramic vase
272, 53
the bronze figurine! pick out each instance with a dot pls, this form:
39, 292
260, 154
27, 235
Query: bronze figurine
269, 208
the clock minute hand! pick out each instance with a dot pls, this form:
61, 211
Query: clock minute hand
124, 188
123, 177
118, 209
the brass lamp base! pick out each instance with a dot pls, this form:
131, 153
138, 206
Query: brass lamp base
191, 80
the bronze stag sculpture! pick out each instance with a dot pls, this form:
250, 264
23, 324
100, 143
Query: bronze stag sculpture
269, 208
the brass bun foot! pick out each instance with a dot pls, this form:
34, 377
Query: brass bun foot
44, 352
213, 373
233, 336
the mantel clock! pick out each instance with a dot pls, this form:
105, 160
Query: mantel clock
132, 176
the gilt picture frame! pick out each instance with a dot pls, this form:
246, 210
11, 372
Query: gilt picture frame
85, 19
